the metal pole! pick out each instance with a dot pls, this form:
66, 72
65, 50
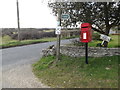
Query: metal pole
86, 53
18, 20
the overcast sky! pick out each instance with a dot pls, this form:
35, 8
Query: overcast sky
33, 14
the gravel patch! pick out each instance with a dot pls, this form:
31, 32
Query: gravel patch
21, 77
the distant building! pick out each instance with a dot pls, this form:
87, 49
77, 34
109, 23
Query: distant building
112, 32
115, 30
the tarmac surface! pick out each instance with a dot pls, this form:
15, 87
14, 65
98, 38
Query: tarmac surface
17, 65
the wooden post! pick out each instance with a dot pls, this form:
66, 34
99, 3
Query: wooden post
58, 36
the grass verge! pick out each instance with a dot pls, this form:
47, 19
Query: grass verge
8, 42
112, 44
72, 72
25, 42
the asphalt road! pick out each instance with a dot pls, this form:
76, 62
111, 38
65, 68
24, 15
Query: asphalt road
16, 65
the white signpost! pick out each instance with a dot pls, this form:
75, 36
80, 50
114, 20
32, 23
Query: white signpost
58, 30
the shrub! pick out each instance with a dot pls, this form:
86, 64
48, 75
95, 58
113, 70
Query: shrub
6, 39
99, 45
96, 36
33, 34
8, 31
77, 43
48, 34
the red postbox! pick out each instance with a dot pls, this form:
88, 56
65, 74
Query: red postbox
85, 33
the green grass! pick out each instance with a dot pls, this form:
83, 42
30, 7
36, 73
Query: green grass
72, 72
115, 41
112, 44
6, 39
8, 42
71, 37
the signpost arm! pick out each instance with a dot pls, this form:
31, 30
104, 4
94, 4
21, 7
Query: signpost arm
86, 53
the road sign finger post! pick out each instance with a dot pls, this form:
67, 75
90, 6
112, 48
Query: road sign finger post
65, 16
58, 32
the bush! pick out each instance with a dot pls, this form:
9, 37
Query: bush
26, 33
8, 31
34, 34
77, 43
96, 36
48, 34
99, 45
6, 39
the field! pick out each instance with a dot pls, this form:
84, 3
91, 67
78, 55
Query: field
8, 42
113, 42
9, 38
72, 72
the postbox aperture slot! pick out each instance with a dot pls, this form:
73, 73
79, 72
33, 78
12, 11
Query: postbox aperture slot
85, 27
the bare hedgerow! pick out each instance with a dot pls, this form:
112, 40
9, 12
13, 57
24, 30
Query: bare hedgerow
24, 35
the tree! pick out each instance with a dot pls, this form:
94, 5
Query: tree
101, 15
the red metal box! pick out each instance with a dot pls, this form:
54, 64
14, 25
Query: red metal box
85, 32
